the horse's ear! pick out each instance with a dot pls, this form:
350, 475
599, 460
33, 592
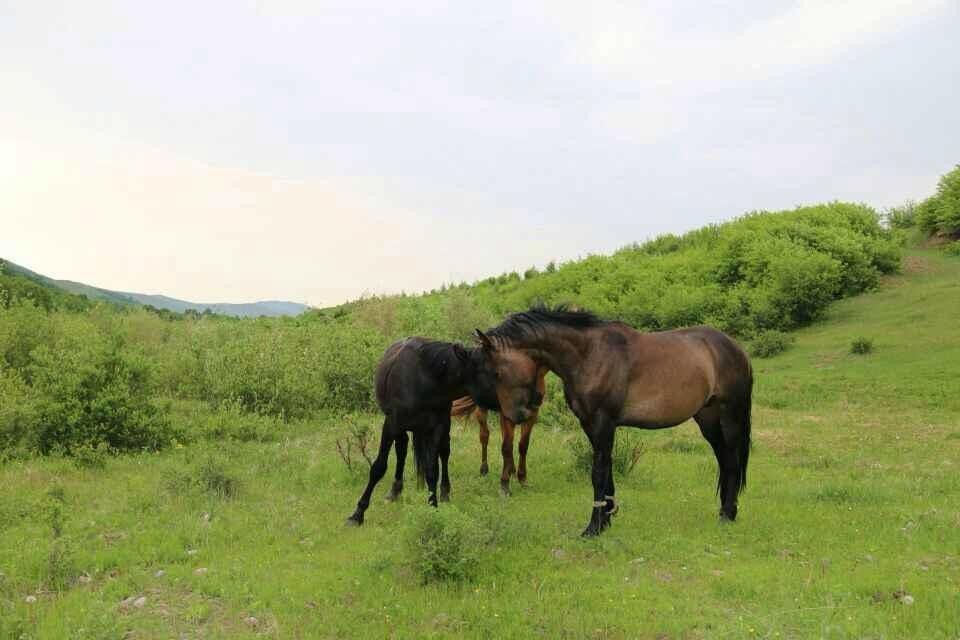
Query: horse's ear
485, 341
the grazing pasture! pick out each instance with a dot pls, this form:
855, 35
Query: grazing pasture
850, 525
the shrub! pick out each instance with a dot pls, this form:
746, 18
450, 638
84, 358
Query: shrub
90, 393
228, 421
88, 456
861, 346
214, 477
902, 217
14, 416
444, 544
626, 453
952, 249
770, 342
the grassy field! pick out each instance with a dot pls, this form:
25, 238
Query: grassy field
850, 525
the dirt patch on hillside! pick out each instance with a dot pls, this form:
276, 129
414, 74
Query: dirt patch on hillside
916, 264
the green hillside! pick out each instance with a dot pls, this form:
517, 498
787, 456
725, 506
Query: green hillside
188, 474
848, 527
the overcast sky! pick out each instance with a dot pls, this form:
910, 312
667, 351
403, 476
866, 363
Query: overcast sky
314, 151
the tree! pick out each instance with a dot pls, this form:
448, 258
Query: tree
940, 213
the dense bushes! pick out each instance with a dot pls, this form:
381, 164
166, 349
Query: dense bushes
84, 393
82, 377
762, 271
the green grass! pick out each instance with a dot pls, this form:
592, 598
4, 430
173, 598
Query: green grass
853, 503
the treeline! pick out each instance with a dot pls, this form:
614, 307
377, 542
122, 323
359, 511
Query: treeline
76, 375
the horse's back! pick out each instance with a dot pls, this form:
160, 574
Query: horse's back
402, 384
730, 364
385, 382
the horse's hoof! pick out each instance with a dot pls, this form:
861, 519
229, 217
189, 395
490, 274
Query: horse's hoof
393, 496
354, 521
727, 518
484, 469
444, 496
505, 491
590, 532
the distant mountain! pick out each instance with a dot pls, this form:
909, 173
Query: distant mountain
270, 308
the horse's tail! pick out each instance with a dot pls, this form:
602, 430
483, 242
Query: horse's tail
463, 407
420, 455
742, 415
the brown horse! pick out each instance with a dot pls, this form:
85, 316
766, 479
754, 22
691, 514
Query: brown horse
614, 375
466, 408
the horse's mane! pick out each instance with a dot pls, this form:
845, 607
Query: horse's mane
530, 324
438, 356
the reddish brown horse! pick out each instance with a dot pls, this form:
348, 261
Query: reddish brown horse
466, 408
614, 375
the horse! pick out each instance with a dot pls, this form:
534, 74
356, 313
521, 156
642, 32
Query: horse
467, 407
416, 382
614, 375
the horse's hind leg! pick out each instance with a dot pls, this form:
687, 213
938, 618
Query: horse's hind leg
506, 450
438, 437
400, 445
444, 463
711, 421
484, 439
377, 469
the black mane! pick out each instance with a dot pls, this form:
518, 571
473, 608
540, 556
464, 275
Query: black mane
530, 324
443, 357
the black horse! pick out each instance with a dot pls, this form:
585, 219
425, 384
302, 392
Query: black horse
417, 381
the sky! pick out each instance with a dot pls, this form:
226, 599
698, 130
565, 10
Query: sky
319, 151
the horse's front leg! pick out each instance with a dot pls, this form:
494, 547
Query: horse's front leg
522, 447
506, 450
601, 433
377, 469
484, 439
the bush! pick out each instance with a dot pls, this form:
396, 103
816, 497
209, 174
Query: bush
444, 544
228, 421
770, 342
92, 393
952, 249
902, 217
14, 416
627, 451
87, 456
861, 346
214, 477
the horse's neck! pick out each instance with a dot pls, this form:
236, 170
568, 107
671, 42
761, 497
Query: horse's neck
456, 381
561, 351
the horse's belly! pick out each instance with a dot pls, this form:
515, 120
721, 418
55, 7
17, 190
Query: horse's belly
660, 411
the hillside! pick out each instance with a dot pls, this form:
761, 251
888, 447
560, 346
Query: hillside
848, 527
269, 308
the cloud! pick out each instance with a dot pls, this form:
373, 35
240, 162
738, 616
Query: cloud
637, 41
89, 206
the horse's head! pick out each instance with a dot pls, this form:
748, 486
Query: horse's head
515, 375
